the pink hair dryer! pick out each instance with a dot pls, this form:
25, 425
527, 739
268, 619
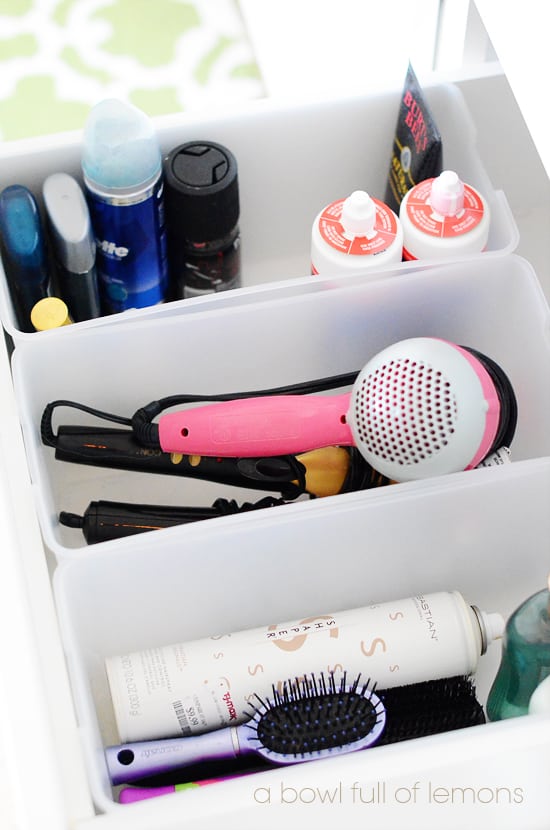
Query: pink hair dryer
419, 408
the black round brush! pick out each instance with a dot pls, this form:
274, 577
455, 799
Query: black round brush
430, 707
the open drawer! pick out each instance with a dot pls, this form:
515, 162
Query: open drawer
483, 532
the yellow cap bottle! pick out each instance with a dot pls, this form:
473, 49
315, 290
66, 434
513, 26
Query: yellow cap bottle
50, 313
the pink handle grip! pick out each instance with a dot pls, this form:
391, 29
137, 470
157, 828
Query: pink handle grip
270, 425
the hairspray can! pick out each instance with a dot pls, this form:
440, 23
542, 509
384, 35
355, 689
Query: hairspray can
353, 234
443, 218
205, 684
122, 168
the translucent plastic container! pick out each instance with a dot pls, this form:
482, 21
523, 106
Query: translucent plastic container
483, 532
494, 305
291, 163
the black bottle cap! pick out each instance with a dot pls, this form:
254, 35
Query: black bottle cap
201, 190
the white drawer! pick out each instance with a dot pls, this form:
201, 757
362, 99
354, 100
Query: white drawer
483, 532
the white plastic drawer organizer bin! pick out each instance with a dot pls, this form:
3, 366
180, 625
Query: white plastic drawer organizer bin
292, 162
482, 532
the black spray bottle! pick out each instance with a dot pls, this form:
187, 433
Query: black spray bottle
202, 219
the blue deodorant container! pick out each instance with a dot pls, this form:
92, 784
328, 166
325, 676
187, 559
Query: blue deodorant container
23, 251
122, 167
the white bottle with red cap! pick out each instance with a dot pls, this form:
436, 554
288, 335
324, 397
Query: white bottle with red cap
442, 218
353, 234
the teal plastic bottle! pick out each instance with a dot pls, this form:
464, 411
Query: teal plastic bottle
525, 661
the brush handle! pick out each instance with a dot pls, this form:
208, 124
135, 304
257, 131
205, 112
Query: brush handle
140, 759
270, 425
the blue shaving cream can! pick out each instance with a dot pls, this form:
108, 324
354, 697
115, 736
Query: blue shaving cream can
131, 254
124, 188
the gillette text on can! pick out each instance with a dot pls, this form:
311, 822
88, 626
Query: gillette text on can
130, 236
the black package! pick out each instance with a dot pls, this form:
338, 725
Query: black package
417, 153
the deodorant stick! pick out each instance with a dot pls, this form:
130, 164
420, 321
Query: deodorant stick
353, 234
197, 686
443, 218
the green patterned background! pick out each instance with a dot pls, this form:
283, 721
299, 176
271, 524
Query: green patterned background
59, 57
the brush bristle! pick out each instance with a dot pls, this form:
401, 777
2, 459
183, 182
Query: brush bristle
317, 715
430, 707
313, 714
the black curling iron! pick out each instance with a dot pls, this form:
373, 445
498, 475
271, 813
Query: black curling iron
319, 472
327, 471
106, 520
118, 449
103, 521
